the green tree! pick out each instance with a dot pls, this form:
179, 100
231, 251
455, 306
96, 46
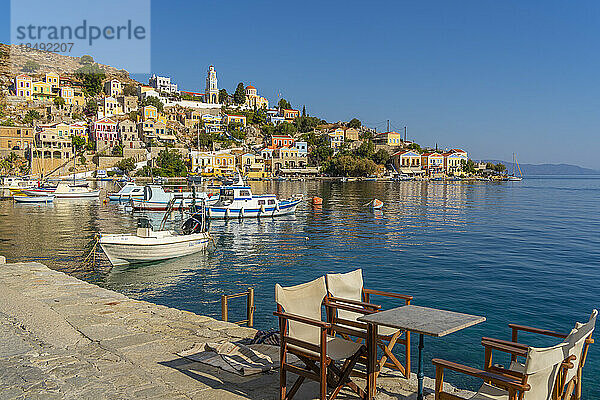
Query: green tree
133, 116
381, 157
117, 150
415, 147
365, 150
468, 166
239, 96
283, 103
86, 60
285, 128
59, 102
500, 168
354, 123
153, 101
306, 124
304, 110
31, 117
91, 77
31, 66
126, 165
78, 143
130, 90
91, 107
223, 96
170, 163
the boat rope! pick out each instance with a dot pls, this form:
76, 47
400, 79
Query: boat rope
91, 256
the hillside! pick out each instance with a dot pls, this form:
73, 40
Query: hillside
13, 58
549, 169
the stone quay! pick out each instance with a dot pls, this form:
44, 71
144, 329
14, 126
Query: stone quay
63, 338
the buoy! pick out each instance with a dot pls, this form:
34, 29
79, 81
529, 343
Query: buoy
262, 208
317, 201
241, 215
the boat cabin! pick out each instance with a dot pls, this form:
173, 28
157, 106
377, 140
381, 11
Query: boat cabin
235, 193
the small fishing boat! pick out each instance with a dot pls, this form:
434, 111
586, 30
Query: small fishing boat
148, 245
34, 199
155, 198
375, 204
127, 192
68, 191
239, 202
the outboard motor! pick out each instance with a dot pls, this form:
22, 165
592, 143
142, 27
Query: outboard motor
144, 227
194, 224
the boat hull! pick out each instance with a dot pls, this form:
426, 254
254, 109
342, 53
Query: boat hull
34, 199
75, 195
130, 249
284, 208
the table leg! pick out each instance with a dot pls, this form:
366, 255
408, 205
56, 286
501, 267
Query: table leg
420, 374
371, 360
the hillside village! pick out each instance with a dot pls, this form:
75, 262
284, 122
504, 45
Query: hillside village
94, 117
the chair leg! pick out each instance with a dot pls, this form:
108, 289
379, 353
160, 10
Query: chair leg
295, 387
345, 374
407, 355
282, 383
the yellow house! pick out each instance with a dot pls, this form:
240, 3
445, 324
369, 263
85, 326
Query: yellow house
231, 119
53, 79
149, 112
389, 138
212, 163
68, 94
24, 86
78, 97
110, 107
224, 161
42, 90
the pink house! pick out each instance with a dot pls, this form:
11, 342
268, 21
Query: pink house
105, 133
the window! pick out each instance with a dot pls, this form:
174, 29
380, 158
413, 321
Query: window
245, 193
261, 202
271, 202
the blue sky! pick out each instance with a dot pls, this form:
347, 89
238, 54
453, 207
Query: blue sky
488, 76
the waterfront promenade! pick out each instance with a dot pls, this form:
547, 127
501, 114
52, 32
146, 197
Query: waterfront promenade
62, 338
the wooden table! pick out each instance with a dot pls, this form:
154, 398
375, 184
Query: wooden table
421, 320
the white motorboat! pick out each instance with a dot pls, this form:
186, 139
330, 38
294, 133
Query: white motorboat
65, 190
238, 202
34, 199
148, 245
157, 199
127, 192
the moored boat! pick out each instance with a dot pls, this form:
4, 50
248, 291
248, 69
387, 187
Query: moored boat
34, 199
127, 192
148, 245
68, 191
239, 202
375, 204
155, 198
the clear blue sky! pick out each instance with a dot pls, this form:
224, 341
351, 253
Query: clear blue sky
492, 77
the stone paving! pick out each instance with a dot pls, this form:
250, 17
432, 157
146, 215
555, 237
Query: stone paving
62, 338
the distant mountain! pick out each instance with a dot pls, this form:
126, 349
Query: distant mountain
549, 169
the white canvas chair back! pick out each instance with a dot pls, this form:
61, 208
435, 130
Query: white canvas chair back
346, 286
304, 300
577, 339
542, 367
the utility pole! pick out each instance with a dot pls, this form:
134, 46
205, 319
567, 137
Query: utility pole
405, 134
388, 125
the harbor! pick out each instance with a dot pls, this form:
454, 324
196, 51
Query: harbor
430, 236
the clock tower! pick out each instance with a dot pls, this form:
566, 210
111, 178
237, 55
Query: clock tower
211, 93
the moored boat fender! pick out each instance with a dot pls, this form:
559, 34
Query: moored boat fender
241, 214
227, 212
317, 200
262, 208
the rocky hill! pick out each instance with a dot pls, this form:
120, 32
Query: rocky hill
13, 58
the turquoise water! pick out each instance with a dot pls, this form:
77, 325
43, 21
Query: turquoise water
525, 252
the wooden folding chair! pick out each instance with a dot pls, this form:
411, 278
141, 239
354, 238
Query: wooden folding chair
306, 336
346, 293
539, 379
579, 338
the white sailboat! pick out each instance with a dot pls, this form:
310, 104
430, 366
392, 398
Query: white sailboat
513, 176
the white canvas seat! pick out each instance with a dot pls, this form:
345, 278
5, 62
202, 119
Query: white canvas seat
350, 287
303, 334
539, 376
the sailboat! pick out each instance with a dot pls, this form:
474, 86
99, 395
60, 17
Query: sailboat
513, 176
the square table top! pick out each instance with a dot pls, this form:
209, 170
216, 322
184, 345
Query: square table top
425, 320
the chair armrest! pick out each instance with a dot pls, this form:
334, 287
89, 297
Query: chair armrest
507, 348
354, 302
499, 380
304, 320
388, 294
517, 328
348, 307
505, 342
